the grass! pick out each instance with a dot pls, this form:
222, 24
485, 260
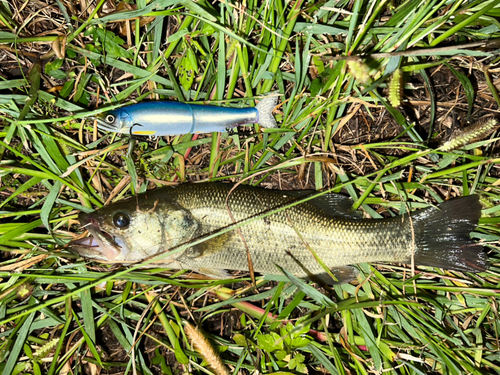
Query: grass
341, 129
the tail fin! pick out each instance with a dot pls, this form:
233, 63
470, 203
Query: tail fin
265, 108
442, 236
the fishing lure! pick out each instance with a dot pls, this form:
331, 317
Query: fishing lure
161, 118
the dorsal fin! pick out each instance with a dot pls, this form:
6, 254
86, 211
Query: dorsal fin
333, 205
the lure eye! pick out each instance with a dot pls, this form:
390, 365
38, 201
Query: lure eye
121, 220
110, 119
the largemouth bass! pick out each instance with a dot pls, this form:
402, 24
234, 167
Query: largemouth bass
152, 223
161, 118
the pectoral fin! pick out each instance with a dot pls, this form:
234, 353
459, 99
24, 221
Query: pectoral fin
210, 247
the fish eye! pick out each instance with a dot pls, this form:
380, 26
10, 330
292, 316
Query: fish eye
110, 118
121, 220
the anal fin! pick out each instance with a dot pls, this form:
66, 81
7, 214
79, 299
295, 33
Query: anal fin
215, 273
343, 274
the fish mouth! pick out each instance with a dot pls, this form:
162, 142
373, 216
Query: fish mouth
102, 124
100, 245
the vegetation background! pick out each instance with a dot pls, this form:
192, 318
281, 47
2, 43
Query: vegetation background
369, 91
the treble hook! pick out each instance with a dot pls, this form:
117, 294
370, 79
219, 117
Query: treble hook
130, 130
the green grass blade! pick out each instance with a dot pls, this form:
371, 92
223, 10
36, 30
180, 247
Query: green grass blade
18, 344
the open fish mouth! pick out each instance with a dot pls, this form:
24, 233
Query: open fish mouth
100, 245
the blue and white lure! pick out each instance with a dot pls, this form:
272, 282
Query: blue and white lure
172, 118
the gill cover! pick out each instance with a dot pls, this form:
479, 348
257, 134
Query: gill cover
111, 121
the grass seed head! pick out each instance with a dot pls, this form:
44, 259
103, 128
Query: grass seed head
476, 132
396, 88
205, 348
360, 71
44, 351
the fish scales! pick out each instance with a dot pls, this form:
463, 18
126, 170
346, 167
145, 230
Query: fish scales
152, 223
275, 240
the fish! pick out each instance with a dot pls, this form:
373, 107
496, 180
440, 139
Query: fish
155, 222
160, 118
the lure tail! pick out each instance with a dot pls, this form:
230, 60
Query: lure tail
442, 236
265, 109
